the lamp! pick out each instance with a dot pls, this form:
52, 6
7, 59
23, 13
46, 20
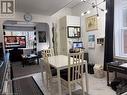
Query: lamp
94, 5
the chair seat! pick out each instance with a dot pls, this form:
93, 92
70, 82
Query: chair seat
51, 67
64, 75
63, 72
54, 71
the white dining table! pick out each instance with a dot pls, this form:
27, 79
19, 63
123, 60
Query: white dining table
61, 62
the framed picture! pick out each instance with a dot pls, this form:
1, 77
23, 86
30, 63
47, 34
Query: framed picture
91, 23
73, 31
91, 41
42, 36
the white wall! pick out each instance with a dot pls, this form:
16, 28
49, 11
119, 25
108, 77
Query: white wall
55, 19
36, 18
95, 55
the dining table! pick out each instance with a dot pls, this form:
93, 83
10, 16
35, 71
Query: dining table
60, 62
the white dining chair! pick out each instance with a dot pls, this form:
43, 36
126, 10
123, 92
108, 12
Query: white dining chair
45, 66
47, 52
74, 74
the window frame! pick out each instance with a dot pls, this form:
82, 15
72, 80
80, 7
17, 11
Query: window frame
119, 29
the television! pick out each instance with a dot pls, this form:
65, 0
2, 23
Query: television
15, 42
77, 45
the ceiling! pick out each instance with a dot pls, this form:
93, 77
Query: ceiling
45, 7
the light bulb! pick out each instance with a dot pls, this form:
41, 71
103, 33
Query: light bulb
88, 12
105, 11
83, 0
82, 14
98, 17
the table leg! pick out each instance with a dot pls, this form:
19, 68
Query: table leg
115, 75
23, 61
37, 60
86, 79
59, 82
107, 78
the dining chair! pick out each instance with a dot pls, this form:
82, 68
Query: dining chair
47, 52
45, 66
74, 73
48, 73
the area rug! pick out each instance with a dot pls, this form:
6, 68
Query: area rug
18, 70
26, 86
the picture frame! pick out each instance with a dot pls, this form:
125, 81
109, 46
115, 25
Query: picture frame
42, 36
74, 32
91, 41
91, 23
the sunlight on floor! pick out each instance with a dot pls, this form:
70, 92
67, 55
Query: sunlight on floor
96, 86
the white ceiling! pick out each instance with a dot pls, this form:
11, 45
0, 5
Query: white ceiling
45, 7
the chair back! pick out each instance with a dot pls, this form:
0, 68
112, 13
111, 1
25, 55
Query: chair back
46, 67
47, 53
75, 66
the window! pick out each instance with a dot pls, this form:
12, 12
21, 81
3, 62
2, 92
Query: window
29, 36
125, 42
120, 28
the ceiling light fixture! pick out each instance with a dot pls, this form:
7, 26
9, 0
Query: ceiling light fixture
87, 12
83, 0
94, 5
82, 14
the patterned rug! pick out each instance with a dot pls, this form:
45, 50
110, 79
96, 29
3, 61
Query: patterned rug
26, 86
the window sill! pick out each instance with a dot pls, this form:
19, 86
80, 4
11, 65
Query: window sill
120, 57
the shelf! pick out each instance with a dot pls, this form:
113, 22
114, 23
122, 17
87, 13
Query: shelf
100, 41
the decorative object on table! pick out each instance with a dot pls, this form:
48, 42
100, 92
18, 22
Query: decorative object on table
74, 32
91, 23
95, 5
42, 36
91, 41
